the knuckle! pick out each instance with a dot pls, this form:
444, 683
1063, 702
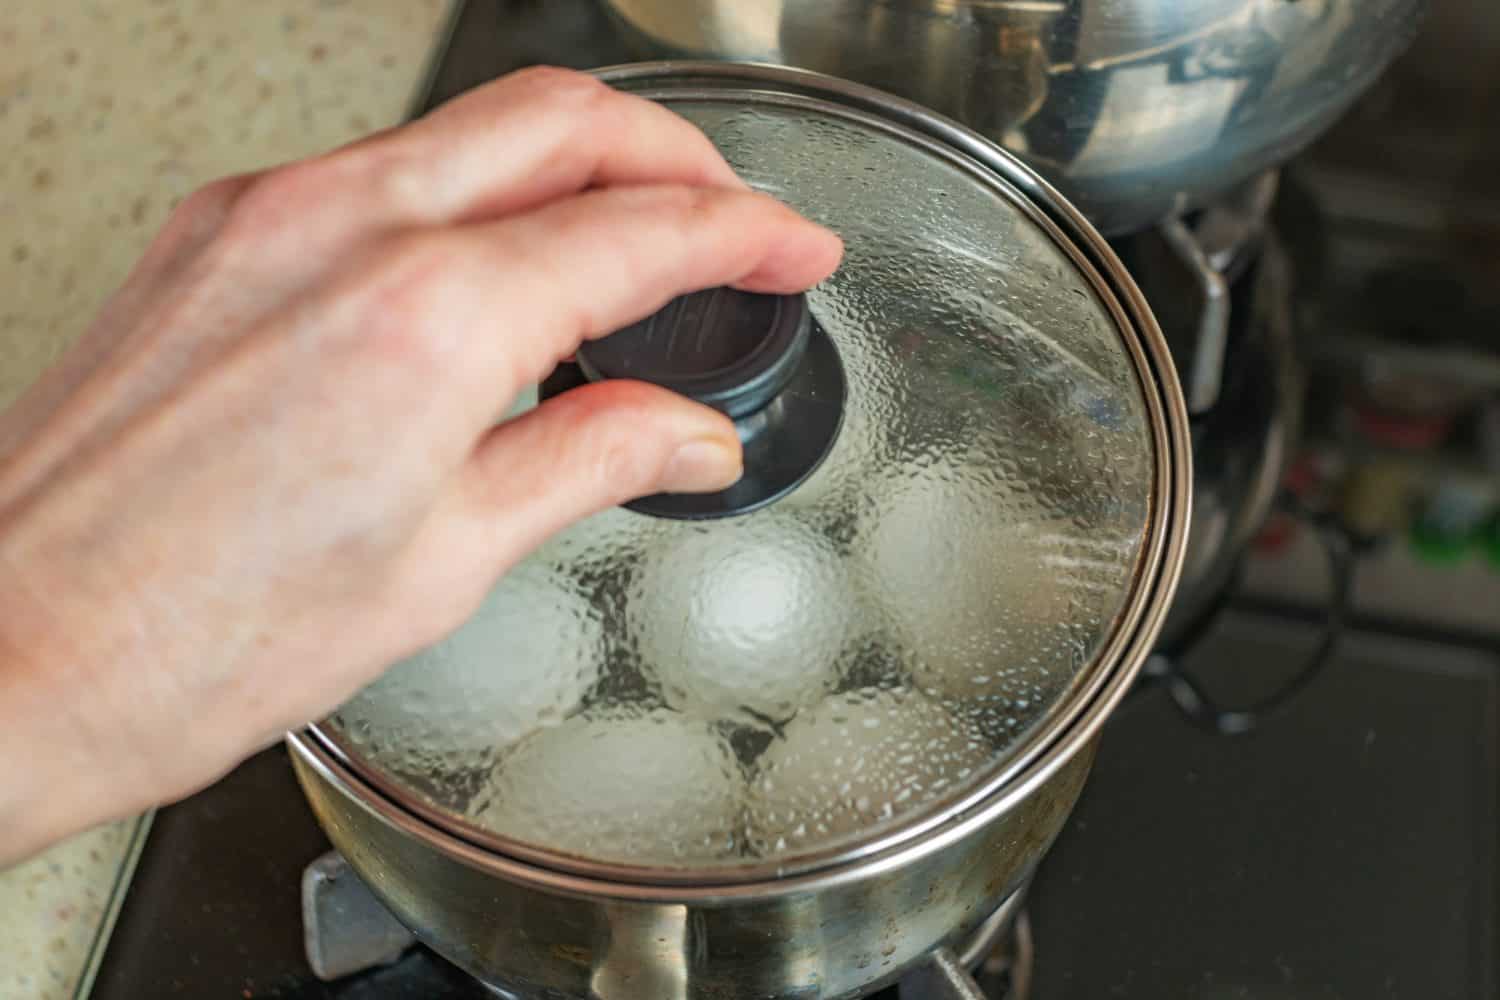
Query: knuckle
695, 211
697, 208
623, 455
281, 197
213, 199
202, 212
299, 183
565, 86
403, 184
402, 288
622, 464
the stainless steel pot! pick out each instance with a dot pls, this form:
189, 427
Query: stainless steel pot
844, 922
1131, 107
537, 933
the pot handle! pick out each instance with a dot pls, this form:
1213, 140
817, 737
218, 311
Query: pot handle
941, 977
762, 360
1206, 374
345, 928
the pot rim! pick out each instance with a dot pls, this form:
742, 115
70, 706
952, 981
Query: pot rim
1067, 725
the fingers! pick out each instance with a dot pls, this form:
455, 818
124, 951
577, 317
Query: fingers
537, 135
594, 263
587, 450
491, 309
512, 145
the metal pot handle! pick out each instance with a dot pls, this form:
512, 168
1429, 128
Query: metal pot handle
345, 928
1206, 249
1206, 375
941, 977
1003, 966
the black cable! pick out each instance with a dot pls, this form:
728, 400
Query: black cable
1341, 548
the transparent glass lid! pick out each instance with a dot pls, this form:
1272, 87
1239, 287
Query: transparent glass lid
764, 690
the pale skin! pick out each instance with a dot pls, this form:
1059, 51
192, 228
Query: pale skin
271, 467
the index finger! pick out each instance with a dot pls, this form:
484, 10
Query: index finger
543, 132
506, 147
496, 306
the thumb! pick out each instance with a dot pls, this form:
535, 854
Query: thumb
592, 448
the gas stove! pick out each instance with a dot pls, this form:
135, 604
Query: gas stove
1346, 848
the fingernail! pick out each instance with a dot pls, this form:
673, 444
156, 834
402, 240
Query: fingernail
703, 465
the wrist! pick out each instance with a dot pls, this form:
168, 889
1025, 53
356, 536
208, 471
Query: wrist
58, 776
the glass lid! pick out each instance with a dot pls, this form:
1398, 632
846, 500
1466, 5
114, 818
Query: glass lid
775, 683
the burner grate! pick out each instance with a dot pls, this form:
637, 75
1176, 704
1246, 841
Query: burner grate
347, 931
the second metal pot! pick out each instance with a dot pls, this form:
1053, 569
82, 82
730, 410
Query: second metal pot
1131, 107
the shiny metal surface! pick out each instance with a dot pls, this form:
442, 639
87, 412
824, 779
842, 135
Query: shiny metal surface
941, 977
537, 933
1207, 372
345, 929
861, 918
1244, 443
993, 932
1133, 108
1007, 973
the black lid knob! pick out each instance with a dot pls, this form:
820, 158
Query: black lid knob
761, 359
732, 350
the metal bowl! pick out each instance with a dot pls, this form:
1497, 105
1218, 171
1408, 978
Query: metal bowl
1132, 108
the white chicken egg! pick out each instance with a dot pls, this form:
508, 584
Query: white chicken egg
854, 763
523, 660
616, 786
740, 617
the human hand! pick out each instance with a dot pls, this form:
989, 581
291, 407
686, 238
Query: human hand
271, 468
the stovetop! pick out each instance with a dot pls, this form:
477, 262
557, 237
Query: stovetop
1345, 849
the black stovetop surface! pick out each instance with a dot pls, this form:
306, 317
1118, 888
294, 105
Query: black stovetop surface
215, 907
1344, 851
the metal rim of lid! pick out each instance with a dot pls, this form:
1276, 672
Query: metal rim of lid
1075, 718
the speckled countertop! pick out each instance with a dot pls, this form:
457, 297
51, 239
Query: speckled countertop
110, 112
